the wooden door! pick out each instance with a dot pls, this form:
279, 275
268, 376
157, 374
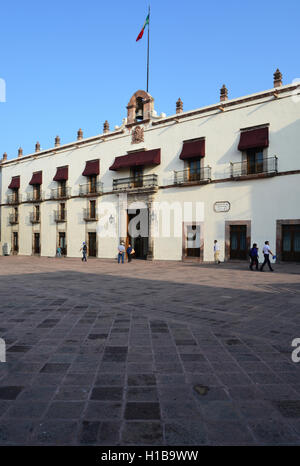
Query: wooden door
62, 243
238, 242
36, 243
92, 245
15, 242
290, 243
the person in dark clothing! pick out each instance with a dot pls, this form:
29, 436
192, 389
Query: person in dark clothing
254, 256
130, 252
84, 251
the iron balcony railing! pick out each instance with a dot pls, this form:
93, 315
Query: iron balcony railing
14, 198
268, 165
60, 215
13, 219
90, 189
60, 193
35, 196
35, 217
188, 176
143, 181
90, 215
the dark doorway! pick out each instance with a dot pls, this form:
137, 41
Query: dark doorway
291, 243
62, 243
193, 241
15, 247
238, 242
36, 243
139, 242
92, 246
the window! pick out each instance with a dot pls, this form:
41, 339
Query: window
92, 209
139, 111
62, 211
16, 214
37, 213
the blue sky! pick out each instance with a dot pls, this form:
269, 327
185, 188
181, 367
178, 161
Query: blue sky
69, 64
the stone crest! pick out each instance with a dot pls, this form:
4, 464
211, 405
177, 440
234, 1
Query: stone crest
137, 135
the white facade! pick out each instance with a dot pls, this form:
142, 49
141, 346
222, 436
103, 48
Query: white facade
259, 200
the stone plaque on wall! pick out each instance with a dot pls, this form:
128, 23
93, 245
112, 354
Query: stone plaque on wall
221, 206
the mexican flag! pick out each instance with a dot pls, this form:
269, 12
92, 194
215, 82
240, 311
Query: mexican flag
143, 28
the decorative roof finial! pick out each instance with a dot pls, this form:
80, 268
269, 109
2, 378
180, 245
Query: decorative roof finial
277, 78
79, 134
106, 127
57, 141
223, 93
37, 147
179, 106
4, 157
20, 152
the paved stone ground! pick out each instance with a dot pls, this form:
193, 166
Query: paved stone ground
148, 353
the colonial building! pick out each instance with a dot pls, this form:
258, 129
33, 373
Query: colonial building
232, 167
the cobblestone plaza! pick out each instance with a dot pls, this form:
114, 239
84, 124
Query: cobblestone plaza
148, 353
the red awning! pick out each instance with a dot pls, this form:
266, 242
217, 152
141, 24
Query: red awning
192, 149
91, 168
136, 159
15, 183
253, 138
36, 178
61, 174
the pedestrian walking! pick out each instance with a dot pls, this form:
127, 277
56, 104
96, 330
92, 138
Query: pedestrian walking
130, 251
216, 252
58, 251
84, 251
253, 253
121, 252
266, 252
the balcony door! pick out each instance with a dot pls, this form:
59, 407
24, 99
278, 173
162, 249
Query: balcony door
137, 175
255, 161
238, 242
92, 184
291, 243
36, 192
62, 189
194, 170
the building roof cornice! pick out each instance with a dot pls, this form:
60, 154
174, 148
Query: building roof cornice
220, 106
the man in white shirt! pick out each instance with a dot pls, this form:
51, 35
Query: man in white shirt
216, 252
121, 254
266, 252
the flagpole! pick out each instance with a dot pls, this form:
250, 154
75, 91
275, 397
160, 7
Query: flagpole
148, 52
